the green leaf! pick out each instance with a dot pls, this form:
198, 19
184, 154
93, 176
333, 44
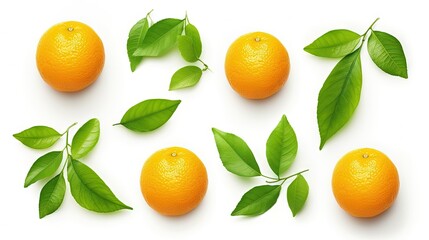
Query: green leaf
257, 200
339, 96
90, 191
149, 115
135, 40
387, 53
186, 48
334, 44
160, 37
185, 77
85, 139
297, 194
44, 167
52, 195
236, 156
192, 32
38, 137
282, 147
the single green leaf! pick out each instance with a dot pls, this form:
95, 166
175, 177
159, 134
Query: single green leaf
339, 96
52, 195
44, 167
334, 44
185, 77
135, 40
257, 200
282, 147
186, 48
90, 191
85, 139
38, 137
160, 37
387, 53
149, 115
297, 194
192, 32
236, 156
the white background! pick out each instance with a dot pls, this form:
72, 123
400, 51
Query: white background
392, 117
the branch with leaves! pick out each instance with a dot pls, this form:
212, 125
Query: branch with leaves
86, 187
281, 150
340, 93
148, 39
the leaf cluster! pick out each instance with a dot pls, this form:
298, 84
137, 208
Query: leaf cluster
86, 187
148, 39
281, 150
340, 94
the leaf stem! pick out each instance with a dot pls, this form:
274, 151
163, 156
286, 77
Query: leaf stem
370, 28
206, 67
283, 179
67, 130
148, 16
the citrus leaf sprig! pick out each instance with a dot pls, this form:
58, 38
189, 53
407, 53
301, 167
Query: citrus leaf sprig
281, 150
86, 187
340, 94
148, 39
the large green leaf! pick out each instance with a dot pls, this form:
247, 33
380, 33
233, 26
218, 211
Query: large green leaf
335, 43
257, 200
297, 194
149, 115
90, 191
236, 156
43, 167
387, 53
135, 40
160, 37
185, 77
38, 137
192, 32
282, 147
339, 96
52, 195
85, 138
186, 48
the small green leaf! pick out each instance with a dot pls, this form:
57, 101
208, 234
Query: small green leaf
44, 167
38, 137
90, 191
185, 77
160, 37
282, 147
339, 96
186, 48
257, 200
52, 195
192, 32
387, 53
297, 194
85, 139
334, 44
149, 115
135, 40
236, 156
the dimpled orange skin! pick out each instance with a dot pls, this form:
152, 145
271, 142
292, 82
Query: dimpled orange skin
257, 65
173, 181
70, 56
365, 183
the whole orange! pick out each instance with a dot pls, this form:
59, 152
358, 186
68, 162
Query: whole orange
365, 182
257, 65
70, 56
173, 181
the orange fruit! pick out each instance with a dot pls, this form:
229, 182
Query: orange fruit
257, 65
70, 56
365, 182
173, 181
